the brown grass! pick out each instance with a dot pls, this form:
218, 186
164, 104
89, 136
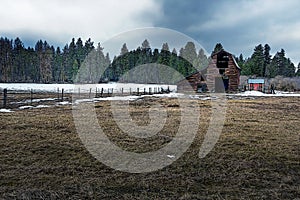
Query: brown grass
257, 156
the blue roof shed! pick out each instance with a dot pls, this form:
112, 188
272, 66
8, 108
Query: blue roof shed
256, 81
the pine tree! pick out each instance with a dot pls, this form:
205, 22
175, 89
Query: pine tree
257, 61
218, 48
145, 44
6, 62
246, 67
267, 59
58, 66
190, 54
240, 60
124, 50
203, 60
298, 70
45, 56
79, 54
18, 68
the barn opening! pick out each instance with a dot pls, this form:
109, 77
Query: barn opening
222, 65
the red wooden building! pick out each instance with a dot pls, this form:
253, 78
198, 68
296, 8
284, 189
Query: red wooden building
256, 84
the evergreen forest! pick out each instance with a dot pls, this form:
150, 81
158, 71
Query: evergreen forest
87, 62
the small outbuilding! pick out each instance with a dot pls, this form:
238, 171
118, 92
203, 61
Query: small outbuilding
256, 84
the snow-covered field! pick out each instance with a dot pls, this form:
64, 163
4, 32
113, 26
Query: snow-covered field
118, 88
261, 94
69, 88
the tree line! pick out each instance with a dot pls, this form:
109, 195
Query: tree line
263, 64
85, 62
159, 66
43, 63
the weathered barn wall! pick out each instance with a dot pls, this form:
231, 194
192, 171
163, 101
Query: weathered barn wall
222, 74
191, 83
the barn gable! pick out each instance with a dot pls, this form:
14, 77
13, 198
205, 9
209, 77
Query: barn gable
191, 83
223, 70
222, 73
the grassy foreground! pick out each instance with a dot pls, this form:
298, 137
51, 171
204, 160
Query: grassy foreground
256, 157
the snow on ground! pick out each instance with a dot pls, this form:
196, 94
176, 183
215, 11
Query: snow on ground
64, 103
128, 98
261, 94
31, 107
25, 107
42, 106
37, 87
5, 110
70, 88
34, 101
118, 88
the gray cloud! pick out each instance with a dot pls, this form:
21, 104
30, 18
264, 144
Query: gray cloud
59, 21
238, 25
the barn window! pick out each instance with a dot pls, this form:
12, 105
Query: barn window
222, 60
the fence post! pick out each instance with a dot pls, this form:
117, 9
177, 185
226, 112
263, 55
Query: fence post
4, 97
130, 91
57, 94
101, 92
90, 93
31, 96
96, 95
138, 91
62, 94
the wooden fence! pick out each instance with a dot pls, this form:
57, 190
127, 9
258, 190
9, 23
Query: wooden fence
12, 98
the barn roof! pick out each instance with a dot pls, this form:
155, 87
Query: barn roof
256, 81
229, 54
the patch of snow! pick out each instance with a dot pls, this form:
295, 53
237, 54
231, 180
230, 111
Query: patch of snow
115, 98
39, 100
200, 97
25, 107
169, 95
42, 106
251, 93
206, 98
64, 103
120, 98
261, 94
170, 156
6, 110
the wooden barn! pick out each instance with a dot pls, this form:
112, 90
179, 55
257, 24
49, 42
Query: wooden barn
222, 74
192, 83
223, 68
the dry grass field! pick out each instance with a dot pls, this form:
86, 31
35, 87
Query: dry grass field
256, 157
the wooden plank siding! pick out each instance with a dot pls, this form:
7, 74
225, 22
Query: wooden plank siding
190, 83
226, 72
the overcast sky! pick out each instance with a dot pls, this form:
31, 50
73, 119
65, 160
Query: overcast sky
238, 25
